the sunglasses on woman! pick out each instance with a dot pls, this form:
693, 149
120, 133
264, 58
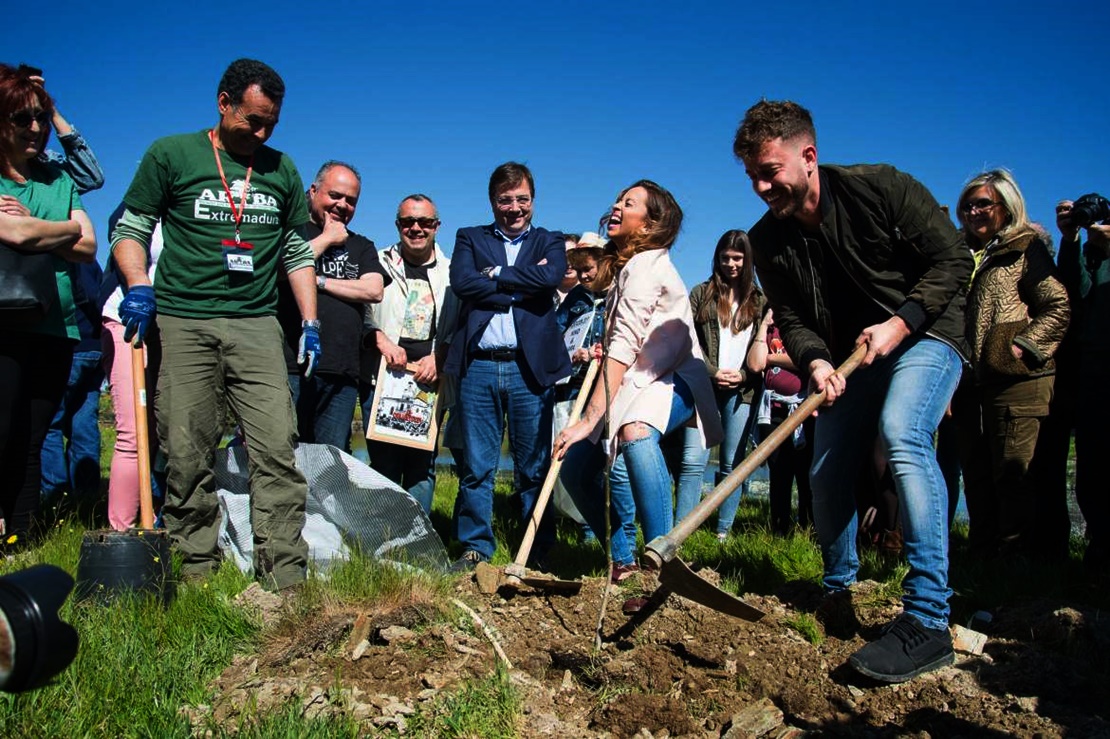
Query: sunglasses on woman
24, 118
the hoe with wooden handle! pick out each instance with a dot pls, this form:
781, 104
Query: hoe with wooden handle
662, 552
516, 574
142, 438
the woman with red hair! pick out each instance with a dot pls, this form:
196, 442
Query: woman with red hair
40, 212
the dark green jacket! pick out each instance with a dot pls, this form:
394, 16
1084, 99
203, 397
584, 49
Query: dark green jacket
1085, 272
890, 235
709, 337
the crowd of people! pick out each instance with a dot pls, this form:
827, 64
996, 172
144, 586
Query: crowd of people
251, 298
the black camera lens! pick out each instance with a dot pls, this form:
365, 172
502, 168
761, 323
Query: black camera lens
35, 644
1090, 209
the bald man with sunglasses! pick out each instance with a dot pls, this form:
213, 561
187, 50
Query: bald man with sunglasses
412, 324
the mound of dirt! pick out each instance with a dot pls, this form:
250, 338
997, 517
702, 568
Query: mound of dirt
683, 671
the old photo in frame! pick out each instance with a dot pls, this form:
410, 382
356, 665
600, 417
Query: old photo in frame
404, 411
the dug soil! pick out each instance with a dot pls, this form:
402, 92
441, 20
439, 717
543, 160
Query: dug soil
683, 670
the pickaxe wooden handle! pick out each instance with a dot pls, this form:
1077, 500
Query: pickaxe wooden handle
516, 569
664, 548
142, 436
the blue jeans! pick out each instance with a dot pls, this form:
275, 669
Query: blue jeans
412, 469
583, 474
325, 407
904, 395
642, 462
737, 419
488, 393
75, 467
689, 471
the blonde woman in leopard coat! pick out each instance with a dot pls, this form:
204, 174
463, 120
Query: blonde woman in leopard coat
1017, 313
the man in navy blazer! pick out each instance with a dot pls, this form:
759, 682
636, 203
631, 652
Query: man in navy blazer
508, 353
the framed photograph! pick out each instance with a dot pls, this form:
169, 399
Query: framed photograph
404, 411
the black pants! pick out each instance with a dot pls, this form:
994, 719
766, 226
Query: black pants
786, 465
1049, 467
34, 370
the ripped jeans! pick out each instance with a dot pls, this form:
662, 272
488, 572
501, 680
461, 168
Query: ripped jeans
642, 460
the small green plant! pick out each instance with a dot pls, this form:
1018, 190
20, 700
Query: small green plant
806, 625
610, 692
706, 707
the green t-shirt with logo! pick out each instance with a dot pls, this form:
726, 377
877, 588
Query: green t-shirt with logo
51, 195
178, 181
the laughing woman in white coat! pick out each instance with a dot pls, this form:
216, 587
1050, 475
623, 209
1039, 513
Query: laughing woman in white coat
656, 377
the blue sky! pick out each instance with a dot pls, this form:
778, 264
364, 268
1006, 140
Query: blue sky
429, 97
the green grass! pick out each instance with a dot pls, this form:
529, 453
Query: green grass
806, 625
359, 579
753, 558
140, 662
485, 708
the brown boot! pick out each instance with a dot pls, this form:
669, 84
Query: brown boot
890, 542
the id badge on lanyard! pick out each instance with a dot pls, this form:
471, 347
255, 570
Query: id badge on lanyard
237, 253
238, 256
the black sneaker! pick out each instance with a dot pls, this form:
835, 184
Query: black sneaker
905, 650
467, 562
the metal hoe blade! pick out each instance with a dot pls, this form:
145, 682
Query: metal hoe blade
517, 576
678, 578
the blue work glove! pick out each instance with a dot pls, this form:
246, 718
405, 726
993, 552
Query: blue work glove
308, 352
137, 311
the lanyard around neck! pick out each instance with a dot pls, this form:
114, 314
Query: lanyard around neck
236, 214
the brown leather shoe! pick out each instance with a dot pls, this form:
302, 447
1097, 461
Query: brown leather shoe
620, 573
633, 605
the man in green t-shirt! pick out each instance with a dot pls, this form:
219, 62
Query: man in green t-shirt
232, 211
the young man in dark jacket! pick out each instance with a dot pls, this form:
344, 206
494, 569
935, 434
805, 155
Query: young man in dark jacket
863, 254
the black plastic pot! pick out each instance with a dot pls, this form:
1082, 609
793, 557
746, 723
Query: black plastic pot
115, 562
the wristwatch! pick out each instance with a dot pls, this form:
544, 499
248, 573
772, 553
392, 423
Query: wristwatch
321, 281
315, 323
488, 272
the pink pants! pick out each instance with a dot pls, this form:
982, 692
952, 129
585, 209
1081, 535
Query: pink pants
123, 483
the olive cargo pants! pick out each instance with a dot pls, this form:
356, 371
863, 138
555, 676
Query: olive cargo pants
209, 366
